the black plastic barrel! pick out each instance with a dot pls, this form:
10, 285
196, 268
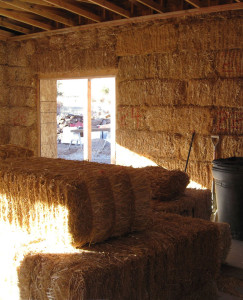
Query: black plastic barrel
228, 177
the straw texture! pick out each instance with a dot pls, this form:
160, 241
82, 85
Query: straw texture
13, 151
175, 259
84, 201
165, 184
194, 203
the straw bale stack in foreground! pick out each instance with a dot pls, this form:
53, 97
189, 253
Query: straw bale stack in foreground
165, 184
194, 203
225, 239
175, 259
87, 204
13, 151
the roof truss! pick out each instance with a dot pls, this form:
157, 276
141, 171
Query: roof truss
23, 17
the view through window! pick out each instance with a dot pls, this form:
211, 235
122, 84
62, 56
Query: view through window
72, 99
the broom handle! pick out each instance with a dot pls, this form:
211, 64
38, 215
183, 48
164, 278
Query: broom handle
193, 134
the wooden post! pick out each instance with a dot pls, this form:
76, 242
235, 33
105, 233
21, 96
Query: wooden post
87, 125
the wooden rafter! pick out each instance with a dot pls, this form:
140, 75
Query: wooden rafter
5, 34
151, 4
41, 12
112, 7
14, 27
17, 16
40, 2
194, 3
72, 6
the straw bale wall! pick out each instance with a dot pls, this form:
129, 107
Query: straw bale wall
178, 258
4, 131
178, 76
174, 76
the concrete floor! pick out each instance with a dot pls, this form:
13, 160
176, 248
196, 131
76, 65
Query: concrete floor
234, 268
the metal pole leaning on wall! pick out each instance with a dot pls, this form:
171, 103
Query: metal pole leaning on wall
193, 134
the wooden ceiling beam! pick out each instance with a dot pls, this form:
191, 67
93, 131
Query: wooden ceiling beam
17, 16
6, 34
194, 3
112, 7
151, 4
72, 6
44, 12
39, 2
14, 27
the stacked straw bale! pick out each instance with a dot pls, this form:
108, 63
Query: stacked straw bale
225, 240
176, 259
13, 151
194, 203
165, 184
89, 203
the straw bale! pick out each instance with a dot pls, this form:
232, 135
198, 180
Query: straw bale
22, 96
46, 117
229, 63
19, 135
4, 95
198, 171
90, 203
48, 151
74, 59
166, 184
220, 92
48, 132
137, 67
160, 38
4, 134
193, 203
17, 55
3, 70
175, 259
225, 240
181, 66
202, 147
152, 92
180, 119
160, 144
185, 65
231, 146
228, 121
13, 151
4, 112
48, 106
2, 53
22, 116
167, 145
131, 117
20, 76
202, 34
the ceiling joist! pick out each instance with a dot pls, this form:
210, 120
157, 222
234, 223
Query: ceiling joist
112, 7
31, 17
5, 34
73, 7
38, 10
14, 27
194, 3
21, 18
151, 4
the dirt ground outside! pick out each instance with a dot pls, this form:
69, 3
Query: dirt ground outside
101, 151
